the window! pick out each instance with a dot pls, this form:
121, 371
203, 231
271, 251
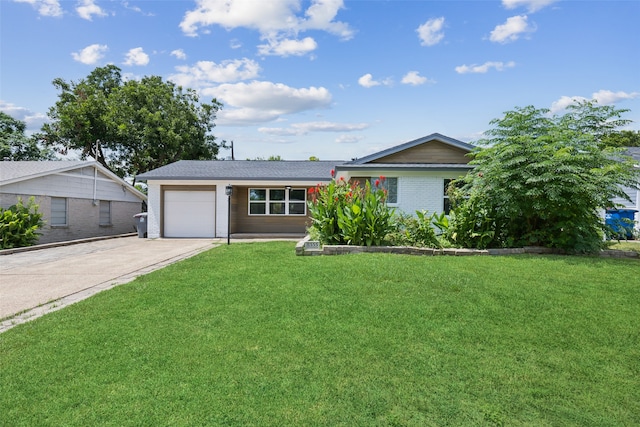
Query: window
457, 184
58, 211
277, 201
389, 184
446, 207
105, 212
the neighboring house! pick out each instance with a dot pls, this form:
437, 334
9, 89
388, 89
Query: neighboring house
188, 199
78, 199
633, 193
416, 173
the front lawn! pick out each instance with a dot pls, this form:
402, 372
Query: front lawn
250, 334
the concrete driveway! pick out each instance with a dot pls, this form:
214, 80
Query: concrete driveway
37, 282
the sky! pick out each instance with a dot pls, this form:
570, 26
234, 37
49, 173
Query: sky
333, 79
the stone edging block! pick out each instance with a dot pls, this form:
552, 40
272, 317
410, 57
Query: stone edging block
307, 247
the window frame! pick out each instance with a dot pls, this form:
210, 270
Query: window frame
55, 209
271, 201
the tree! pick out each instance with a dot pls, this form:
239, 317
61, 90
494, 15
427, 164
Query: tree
540, 180
15, 145
624, 138
130, 127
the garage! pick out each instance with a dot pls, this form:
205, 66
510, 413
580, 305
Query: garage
189, 213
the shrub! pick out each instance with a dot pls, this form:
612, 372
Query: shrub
19, 225
348, 213
415, 230
540, 180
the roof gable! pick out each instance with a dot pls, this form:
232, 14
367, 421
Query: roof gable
431, 149
17, 171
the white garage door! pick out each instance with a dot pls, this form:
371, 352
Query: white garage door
189, 213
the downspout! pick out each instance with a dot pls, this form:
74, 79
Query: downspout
95, 185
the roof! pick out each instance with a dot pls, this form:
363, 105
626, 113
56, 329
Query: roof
13, 171
633, 152
407, 166
16, 171
433, 137
244, 170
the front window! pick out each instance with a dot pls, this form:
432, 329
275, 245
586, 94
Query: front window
457, 184
447, 202
388, 184
277, 201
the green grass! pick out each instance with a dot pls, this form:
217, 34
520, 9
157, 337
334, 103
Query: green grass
626, 245
250, 334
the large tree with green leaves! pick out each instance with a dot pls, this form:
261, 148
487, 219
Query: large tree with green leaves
131, 126
542, 180
16, 145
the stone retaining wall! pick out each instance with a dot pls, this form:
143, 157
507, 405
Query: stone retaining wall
308, 247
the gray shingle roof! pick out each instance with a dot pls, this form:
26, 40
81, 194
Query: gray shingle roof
18, 170
634, 152
259, 170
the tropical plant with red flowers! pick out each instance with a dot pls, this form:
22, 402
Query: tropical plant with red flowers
348, 213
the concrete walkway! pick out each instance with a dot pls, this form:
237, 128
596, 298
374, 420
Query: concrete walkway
37, 282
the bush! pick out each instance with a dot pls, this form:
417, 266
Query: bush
19, 225
415, 230
347, 213
540, 180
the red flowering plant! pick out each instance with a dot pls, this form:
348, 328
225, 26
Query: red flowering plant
349, 213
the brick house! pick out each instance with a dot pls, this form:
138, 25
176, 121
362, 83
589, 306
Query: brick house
78, 199
188, 198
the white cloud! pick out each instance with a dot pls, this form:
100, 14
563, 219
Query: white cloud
368, 81
474, 68
90, 54
349, 139
414, 78
261, 101
305, 128
33, 121
45, 7
607, 97
87, 9
137, 9
511, 30
179, 53
531, 5
602, 97
136, 56
430, 32
205, 74
275, 20
288, 47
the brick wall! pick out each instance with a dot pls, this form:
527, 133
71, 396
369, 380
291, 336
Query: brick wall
420, 193
82, 218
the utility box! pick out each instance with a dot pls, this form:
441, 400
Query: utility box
621, 221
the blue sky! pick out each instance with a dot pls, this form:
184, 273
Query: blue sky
331, 78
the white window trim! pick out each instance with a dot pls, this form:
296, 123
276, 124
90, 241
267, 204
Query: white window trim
286, 201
